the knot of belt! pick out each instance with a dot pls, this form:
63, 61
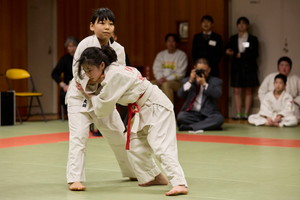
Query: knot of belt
132, 109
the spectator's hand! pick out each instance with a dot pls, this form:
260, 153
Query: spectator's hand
229, 52
193, 76
65, 88
201, 80
238, 55
269, 122
278, 119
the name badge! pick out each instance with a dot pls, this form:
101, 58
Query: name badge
212, 43
246, 44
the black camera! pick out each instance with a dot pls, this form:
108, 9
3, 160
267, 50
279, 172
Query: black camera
200, 72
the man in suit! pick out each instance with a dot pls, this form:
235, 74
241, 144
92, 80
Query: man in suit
199, 111
208, 45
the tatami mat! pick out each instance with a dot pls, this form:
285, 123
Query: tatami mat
214, 171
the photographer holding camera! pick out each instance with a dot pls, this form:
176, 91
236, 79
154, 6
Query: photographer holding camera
201, 91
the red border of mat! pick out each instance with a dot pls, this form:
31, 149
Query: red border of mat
60, 137
241, 140
35, 139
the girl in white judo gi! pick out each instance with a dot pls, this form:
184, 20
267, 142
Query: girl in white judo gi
277, 108
81, 113
153, 128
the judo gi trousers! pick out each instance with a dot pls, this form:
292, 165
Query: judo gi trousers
156, 135
112, 129
257, 120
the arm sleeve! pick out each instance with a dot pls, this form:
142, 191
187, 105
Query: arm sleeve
297, 98
185, 88
113, 87
121, 56
232, 44
57, 71
76, 57
214, 89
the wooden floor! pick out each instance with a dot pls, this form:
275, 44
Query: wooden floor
219, 165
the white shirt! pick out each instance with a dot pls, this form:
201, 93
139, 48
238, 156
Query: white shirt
242, 41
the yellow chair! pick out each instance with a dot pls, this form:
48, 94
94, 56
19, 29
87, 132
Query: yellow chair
17, 74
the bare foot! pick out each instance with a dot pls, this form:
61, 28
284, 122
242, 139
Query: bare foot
177, 190
160, 179
77, 186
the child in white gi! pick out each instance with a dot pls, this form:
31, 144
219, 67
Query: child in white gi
81, 113
277, 108
153, 128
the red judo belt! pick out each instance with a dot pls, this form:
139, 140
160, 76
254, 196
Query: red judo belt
132, 109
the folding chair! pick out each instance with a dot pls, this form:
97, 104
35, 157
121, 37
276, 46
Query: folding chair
17, 74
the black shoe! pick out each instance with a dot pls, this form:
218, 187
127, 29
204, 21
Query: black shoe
184, 127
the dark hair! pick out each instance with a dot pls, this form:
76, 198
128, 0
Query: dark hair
201, 61
175, 36
103, 14
243, 19
208, 18
72, 40
95, 56
285, 58
282, 77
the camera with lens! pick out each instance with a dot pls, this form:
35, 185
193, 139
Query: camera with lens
200, 72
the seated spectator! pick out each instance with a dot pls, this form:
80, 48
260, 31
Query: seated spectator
169, 67
284, 66
200, 111
62, 73
276, 108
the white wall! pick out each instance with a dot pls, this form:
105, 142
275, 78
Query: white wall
273, 22
42, 50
